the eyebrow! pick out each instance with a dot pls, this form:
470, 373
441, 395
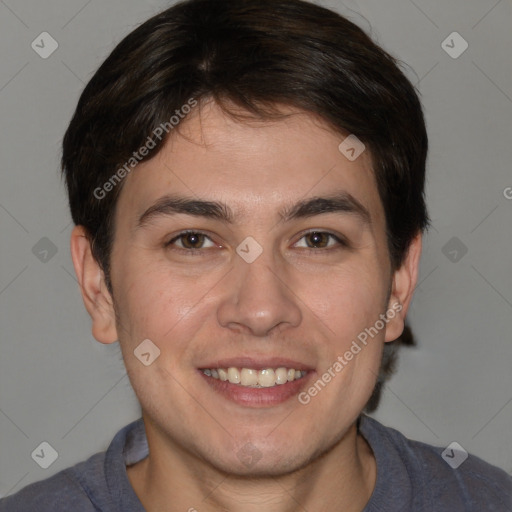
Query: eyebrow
341, 202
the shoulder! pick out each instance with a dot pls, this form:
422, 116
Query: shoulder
455, 476
448, 478
98, 483
62, 491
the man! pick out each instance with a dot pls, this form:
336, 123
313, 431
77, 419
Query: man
246, 179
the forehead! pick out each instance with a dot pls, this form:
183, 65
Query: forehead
257, 167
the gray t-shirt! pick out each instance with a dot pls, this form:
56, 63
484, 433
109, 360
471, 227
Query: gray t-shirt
411, 477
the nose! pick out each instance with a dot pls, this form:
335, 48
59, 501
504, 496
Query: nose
259, 298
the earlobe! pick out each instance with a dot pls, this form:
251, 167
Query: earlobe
403, 285
96, 297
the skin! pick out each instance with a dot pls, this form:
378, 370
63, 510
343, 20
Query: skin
209, 305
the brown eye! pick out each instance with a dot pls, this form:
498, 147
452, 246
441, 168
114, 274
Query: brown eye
189, 240
192, 240
317, 239
321, 240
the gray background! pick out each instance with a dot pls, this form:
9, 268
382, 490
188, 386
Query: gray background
60, 386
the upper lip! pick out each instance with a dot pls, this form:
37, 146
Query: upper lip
257, 363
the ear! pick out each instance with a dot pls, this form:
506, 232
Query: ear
403, 285
96, 297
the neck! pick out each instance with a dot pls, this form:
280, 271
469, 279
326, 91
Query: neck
173, 480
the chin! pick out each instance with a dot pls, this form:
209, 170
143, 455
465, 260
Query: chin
262, 466
263, 459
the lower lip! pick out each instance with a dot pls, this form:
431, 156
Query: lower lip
258, 397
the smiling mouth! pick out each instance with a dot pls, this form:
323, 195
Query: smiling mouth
251, 378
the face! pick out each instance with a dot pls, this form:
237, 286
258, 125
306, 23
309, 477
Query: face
268, 277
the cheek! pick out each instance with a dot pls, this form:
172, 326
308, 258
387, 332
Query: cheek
346, 301
156, 303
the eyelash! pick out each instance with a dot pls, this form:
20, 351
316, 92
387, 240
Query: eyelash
341, 242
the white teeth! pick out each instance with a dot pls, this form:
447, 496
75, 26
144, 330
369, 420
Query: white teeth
281, 376
266, 378
234, 375
253, 378
248, 377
